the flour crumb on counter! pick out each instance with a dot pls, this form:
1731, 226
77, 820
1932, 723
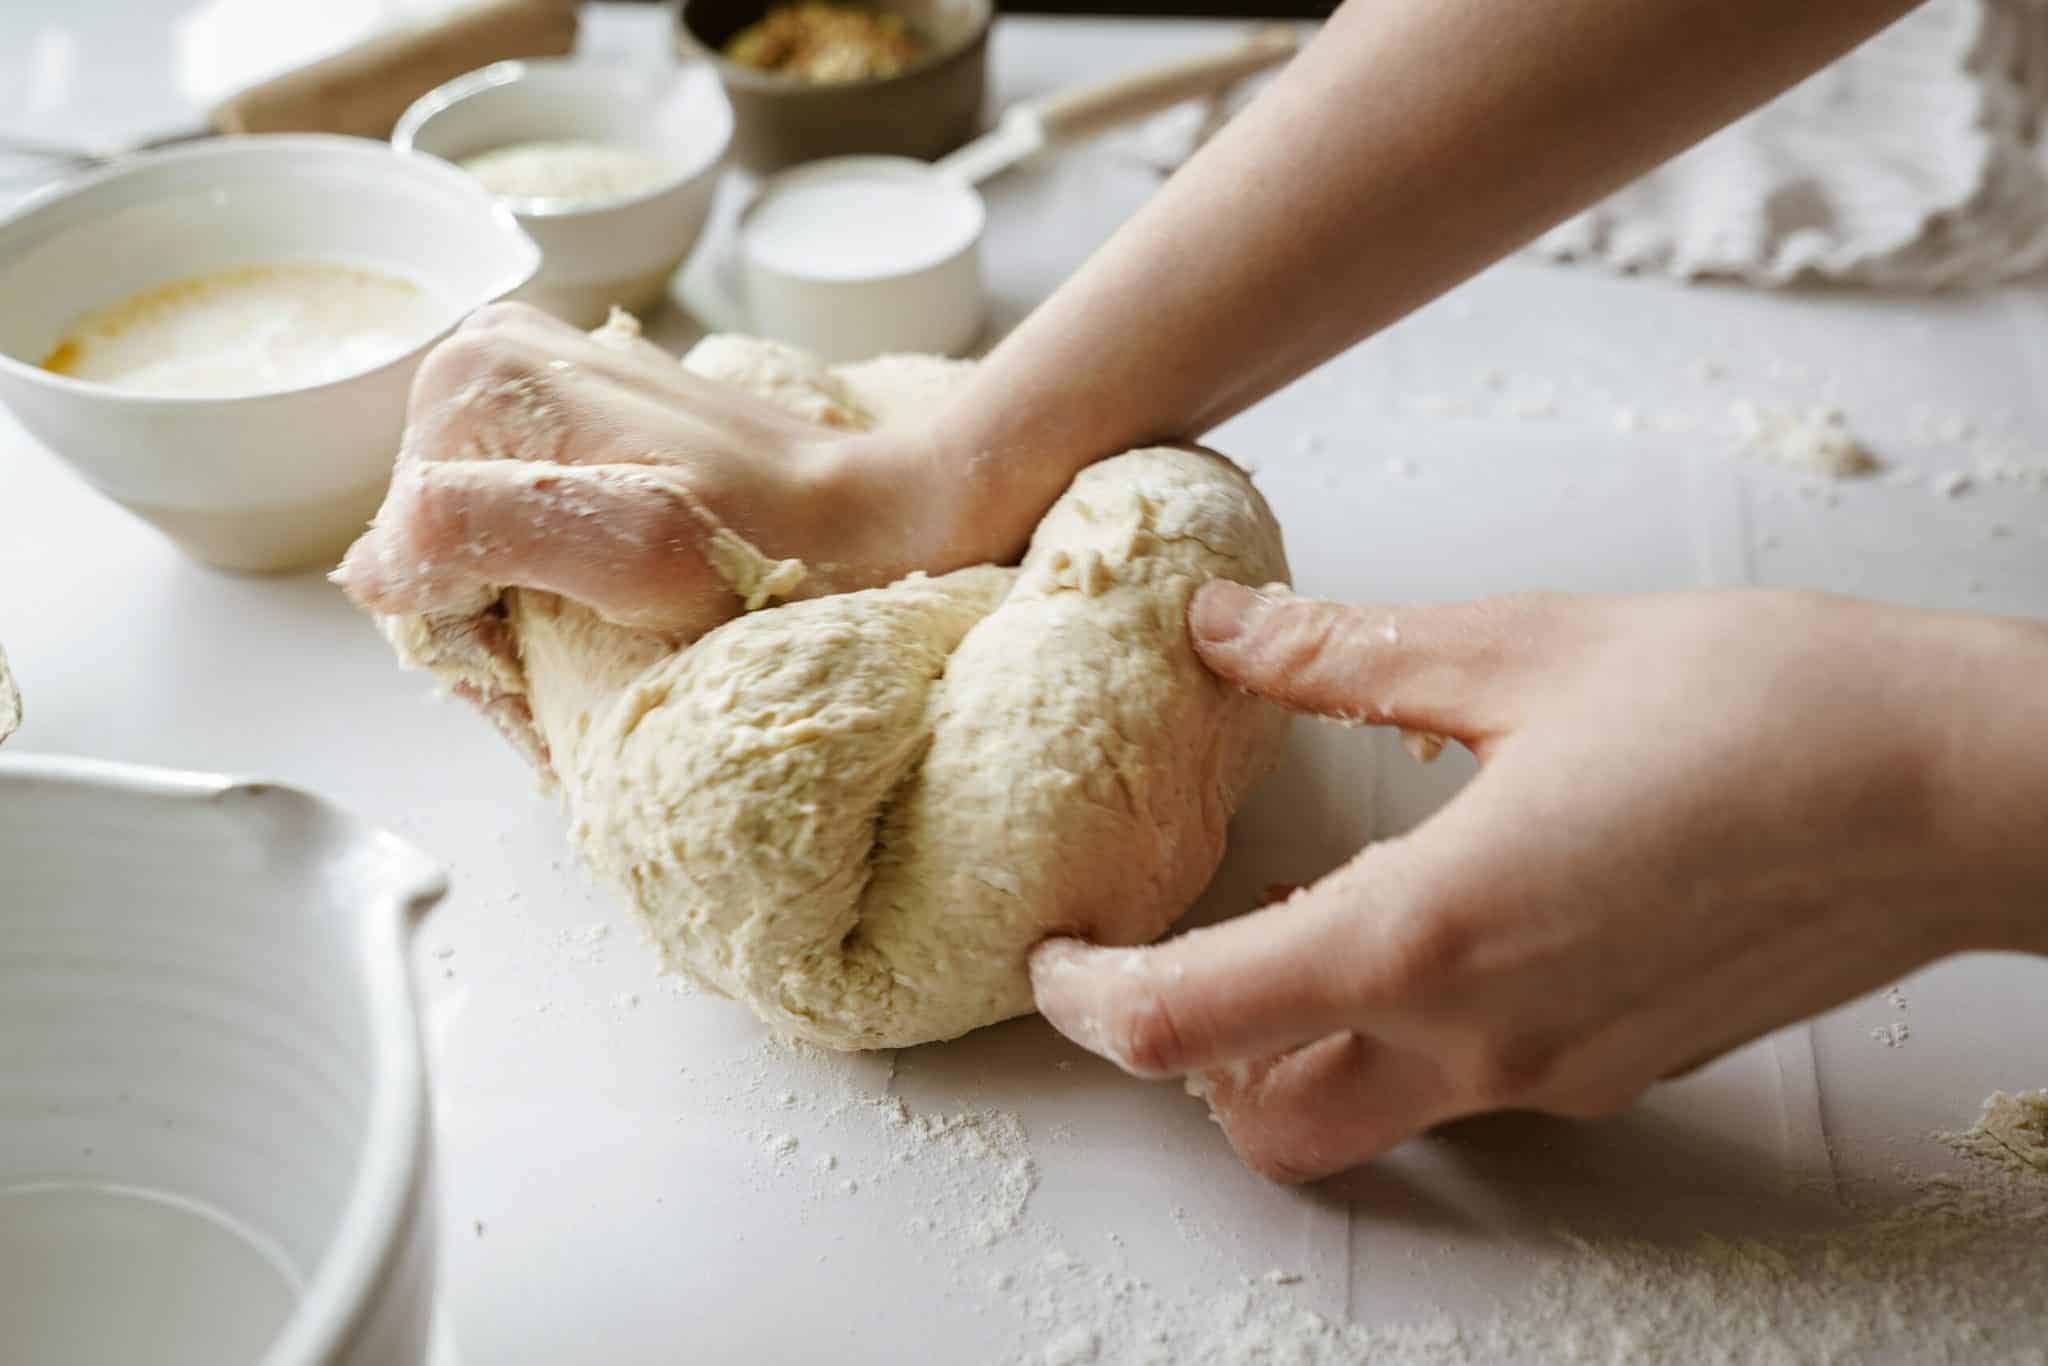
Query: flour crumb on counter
1813, 440
1075, 1347
1892, 1035
1442, 405
2011, 1129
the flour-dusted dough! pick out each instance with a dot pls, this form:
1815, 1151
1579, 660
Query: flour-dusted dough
858, 813
10, 700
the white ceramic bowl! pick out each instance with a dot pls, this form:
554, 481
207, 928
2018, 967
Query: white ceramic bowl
269, 481
214, 1140
620, 251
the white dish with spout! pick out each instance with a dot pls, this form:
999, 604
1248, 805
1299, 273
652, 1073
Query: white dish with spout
214, 1141
263, 481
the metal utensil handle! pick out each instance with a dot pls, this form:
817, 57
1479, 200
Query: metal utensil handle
49, 151
1089, 109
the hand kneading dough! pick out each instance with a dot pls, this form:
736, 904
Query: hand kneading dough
858, 813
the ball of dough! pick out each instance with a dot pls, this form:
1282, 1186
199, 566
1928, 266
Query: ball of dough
858, 813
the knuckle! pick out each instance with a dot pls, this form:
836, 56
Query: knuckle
481, 363
1422, 958
1147, 1036
1284, 1167
503, 314
1285, 1154
1304, 638
1509, 1069
455, 366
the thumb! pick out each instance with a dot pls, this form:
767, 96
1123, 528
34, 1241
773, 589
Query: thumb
1449, 669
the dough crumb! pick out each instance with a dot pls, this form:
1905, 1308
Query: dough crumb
1422, 745
756, 578
1075, 1347
2012, 1129
10, 700
1816, 441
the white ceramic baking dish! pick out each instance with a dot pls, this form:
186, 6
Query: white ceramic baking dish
214, 1141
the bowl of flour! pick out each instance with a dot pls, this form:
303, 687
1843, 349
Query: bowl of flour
610, 169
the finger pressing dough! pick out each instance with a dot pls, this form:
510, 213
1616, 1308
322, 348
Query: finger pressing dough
858, 813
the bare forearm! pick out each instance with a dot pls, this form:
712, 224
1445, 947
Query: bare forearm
1413, 143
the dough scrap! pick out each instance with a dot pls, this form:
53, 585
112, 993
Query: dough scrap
858, 813
10, 700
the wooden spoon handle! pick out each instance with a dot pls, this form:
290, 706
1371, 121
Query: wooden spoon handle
364, 90
1088, 110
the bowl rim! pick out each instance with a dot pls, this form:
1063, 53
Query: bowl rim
796, 87
393, 1158
232, 147
498, 75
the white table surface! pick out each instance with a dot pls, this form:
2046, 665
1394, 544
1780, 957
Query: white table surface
609, 1190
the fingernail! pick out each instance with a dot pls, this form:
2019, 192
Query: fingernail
1223, 611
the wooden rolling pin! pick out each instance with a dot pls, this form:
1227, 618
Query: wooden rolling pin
365, 89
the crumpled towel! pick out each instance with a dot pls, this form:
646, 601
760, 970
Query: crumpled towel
1915, 162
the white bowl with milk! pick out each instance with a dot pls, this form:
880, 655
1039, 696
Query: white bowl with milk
214, 1133
221, 337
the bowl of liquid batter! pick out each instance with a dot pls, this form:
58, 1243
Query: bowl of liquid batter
221, 336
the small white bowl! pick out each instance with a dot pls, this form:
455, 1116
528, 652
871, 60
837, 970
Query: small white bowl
214, 1136
619, 251
267, 481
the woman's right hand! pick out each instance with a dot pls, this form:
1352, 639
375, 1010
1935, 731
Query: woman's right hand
1699, 816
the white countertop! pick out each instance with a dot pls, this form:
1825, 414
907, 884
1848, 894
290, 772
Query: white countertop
615, 1178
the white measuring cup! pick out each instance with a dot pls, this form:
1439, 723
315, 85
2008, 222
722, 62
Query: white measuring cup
852, 257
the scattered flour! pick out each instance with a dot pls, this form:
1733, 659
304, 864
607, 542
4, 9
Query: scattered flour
1813, 441
1949, 1273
